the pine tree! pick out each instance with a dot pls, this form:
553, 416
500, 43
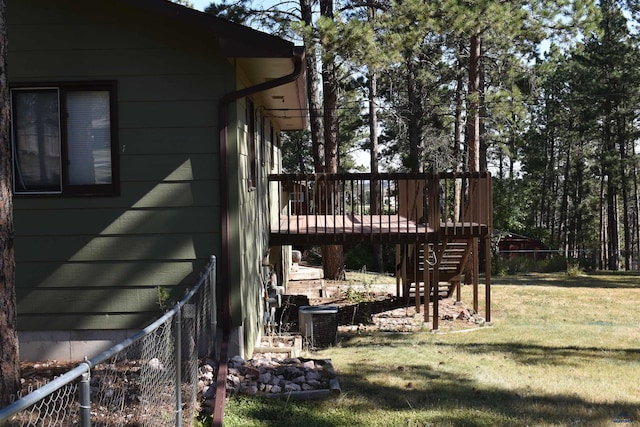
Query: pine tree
9, 365
609, 80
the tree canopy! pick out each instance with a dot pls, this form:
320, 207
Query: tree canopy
543, 94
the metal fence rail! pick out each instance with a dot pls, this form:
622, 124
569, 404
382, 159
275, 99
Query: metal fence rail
149, 379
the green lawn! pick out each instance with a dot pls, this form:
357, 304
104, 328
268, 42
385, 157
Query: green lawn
561, 351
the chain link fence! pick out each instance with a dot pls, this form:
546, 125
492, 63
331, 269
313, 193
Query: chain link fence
150, 379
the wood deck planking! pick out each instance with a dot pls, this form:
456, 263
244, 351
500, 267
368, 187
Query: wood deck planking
328, 229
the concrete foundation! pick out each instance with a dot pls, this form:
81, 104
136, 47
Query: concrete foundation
67, 345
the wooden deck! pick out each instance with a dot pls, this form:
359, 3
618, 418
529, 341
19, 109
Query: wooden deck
414, 211
336, 229
379, 208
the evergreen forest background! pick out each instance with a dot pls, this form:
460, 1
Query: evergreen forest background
544, 94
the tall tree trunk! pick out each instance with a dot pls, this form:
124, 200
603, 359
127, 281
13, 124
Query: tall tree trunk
458, 135
313, 89
547, 201
636, 207
330, 93
603, 228
613, 246
375, 184
9, 365
553, 209
564, 203
332, 255
415, 152
545, 185
577, 232
482, 112
609, 164
473, 126
624, 188
372, 87
473, 121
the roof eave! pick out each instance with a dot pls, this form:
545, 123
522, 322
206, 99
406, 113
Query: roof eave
253, 49
236, 40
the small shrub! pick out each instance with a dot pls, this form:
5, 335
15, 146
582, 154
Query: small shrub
553, 264
574, 270
163, 298
502, 266
354, 296
499, 266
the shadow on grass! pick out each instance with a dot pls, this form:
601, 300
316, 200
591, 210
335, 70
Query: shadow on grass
416, 394
447, 399
427, 398
531, 354
526, 354
602, 280
261, 411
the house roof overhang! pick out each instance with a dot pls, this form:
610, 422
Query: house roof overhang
261, 56
285, 104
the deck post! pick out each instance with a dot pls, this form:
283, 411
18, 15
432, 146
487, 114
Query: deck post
398, 270
434, 219
487, 277
427, 283
405, 282
474, 273
434, 286
416, 275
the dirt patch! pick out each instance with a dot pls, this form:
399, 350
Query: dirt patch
37, 374
375, 307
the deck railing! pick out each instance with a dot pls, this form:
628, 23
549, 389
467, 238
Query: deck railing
379, 207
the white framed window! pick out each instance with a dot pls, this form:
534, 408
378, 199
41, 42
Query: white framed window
64, 139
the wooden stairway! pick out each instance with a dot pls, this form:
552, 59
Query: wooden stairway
449, 257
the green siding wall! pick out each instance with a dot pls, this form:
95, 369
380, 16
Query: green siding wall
96, 263
252, 207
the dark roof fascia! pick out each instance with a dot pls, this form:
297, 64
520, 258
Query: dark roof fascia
235, 40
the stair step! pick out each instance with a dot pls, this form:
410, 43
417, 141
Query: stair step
450, 256
443, 289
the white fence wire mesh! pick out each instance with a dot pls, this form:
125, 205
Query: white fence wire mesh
149, 379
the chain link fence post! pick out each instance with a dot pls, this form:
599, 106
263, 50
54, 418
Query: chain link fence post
85, 399
177, 326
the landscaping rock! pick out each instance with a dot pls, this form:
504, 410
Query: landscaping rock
271, 377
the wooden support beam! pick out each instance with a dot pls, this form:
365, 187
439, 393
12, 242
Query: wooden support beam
474, 273
435, 279
487, 277
427, 283
405, 282
436, 299
398, 271
416, 276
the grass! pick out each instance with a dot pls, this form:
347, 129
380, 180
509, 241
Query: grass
561, 351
